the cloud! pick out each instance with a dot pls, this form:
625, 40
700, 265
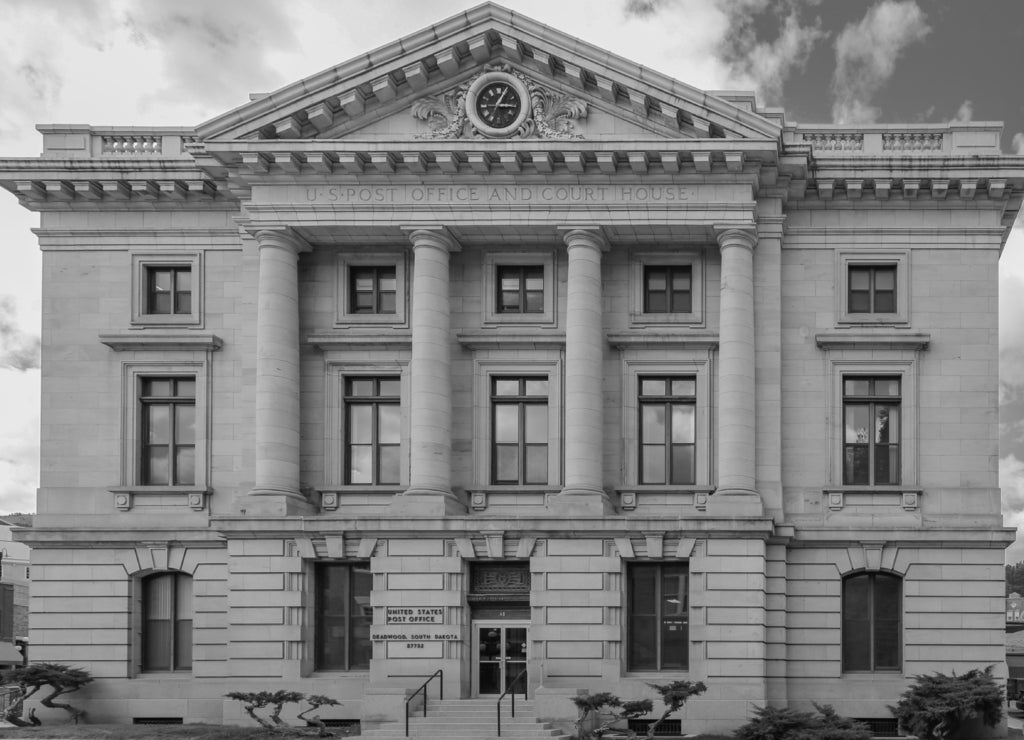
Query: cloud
1011, 485
770, 64
212, 51
866, 54
644, 8
965, 113
18, 350
1018, 142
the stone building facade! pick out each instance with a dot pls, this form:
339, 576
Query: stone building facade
490, 351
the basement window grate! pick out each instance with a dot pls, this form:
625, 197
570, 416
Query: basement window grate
351, 727
668, 728
881, 726
157, 721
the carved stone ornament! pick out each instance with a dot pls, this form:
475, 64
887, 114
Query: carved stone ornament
501, 102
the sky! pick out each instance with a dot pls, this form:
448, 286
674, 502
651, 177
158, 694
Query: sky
182, 62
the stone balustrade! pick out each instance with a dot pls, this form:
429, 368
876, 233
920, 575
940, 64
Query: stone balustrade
84, 142
882, 140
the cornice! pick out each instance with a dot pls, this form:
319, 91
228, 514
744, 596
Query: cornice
511, 339
663, 339
887, 339
146, 341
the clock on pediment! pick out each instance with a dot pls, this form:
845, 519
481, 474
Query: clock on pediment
498, 104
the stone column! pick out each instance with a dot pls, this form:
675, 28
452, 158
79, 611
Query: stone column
276, 486
584, 493
430, 401
736, 494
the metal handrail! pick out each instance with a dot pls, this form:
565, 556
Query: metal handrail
510, 688
423, 688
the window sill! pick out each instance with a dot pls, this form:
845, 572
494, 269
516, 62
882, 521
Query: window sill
127, 497
135, 341
909, 497
892, 340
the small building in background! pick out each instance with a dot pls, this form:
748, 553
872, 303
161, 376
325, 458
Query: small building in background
15, 575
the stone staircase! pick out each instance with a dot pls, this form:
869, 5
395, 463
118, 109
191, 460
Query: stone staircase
473, 719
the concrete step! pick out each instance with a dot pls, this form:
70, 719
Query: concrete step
472, 719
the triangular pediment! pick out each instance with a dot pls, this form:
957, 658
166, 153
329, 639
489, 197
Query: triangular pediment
415, 88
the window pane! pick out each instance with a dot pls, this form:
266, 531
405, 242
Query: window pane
673, 591
360, 465
653, 464
856, 468
536, 423
183, 280
657, 279
360, 387
508, 302
362, 618
158, 595
156, 387
882, 432
859, 302
643, 589
183, 645
652, 386
885, 302
537, 387
387, 303
684, 387
887, 387
652, 419
185, 388
183, 303
185, 466
506, 387
858, 421
184, 423
363, 281
389, 418
388, 283
506, 423
683, 423
857, 387
506, 463
683, 472
156, 650
534, 302
860, 278
157, 466
390, 457
681, 280
642, 647
536, 464
158, 424
885, 279
362, 303
390, 387
856, 645
360, 424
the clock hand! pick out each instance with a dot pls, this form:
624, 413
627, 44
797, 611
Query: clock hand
501, 97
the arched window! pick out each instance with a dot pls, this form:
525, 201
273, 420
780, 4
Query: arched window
167, 622
872, 622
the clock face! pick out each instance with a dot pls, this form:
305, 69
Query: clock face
498, 104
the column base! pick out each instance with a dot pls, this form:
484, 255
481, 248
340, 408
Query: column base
426, 502
735, 502
581, 502
264, 502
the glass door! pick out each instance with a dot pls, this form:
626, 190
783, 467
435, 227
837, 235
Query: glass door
502, 657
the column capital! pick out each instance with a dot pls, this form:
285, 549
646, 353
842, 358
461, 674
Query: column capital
281, 237
584, 236
437, 237
732, 236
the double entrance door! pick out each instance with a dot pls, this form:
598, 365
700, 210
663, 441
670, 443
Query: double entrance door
499, 650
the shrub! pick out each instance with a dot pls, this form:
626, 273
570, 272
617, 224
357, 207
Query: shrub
783, 723
673, 696
60, 678
935, 706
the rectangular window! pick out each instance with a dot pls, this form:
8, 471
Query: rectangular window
872, 289
658, 632
519, 430
872, 631
668, 289
520, 289
168, 290
373, 433
668, 430
343, 616
373, 289
871, 429
167, 622
168, 431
